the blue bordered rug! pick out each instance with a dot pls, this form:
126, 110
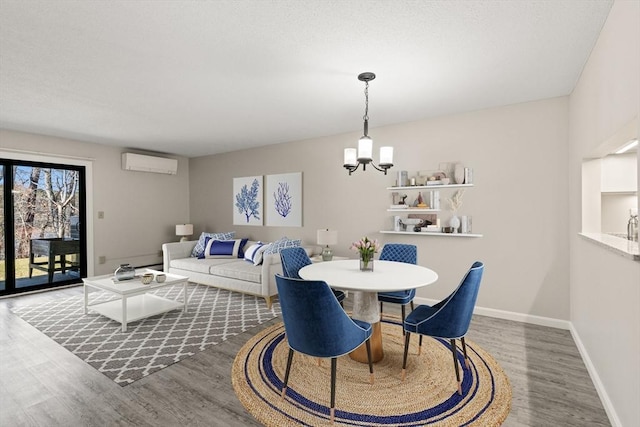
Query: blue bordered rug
428, 396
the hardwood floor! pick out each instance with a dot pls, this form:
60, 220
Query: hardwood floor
42, 384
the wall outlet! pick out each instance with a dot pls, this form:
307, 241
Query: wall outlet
100, 214
102, 259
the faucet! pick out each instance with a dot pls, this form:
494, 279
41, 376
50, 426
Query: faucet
632, 225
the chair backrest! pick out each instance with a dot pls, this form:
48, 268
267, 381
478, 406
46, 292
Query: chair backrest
293, 259
399, 252
314, 321
455, 311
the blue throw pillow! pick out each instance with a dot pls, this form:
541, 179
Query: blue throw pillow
243, 242
198, 250
215, 248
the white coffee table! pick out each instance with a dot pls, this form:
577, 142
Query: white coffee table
135, 302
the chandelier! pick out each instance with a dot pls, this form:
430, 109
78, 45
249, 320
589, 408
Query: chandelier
363, 156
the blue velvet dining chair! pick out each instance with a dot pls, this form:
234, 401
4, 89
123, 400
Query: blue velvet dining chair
449, 319
317, 326
400, 253
293, 259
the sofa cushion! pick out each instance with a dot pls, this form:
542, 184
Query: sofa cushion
238, 269
198, 249
199, 265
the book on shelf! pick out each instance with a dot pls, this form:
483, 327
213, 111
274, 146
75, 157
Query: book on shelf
399, 207
434, 199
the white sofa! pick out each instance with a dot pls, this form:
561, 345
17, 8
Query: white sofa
234, 274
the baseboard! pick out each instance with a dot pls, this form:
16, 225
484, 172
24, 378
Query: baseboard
511, 315
593, 373
553, 323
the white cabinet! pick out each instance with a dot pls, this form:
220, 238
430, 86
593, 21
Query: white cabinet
619, 173
412, 192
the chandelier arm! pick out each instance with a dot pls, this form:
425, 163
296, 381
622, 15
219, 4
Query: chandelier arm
377, 168
352, 168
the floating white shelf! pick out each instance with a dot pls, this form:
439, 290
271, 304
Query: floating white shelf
430, 187
431, 233
412, 210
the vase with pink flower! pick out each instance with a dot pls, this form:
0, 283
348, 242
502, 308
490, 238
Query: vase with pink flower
366, 249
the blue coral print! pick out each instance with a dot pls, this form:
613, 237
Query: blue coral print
247, 201
282, 199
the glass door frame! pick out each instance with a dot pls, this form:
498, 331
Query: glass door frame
85, 166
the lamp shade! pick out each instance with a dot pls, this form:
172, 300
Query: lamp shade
327, 237
386, 155
350, 157
365, 149
184, 229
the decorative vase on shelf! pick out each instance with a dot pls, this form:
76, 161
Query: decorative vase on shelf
366, 262
455, 223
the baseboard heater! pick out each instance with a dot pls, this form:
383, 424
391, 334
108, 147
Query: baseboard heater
153, 164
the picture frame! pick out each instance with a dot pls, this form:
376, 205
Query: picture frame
283, 200
248, 207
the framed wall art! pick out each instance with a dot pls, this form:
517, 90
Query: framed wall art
247, 201
283, 200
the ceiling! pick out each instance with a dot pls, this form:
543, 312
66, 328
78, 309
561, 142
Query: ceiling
194, 78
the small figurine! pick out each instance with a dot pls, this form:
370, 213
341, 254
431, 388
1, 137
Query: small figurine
403, 197
421, 203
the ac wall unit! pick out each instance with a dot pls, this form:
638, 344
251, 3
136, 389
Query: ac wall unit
142, 163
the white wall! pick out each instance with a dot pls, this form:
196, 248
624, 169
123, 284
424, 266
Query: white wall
518, 154
605, 287
140, 209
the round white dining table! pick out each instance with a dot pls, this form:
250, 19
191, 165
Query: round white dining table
387, 276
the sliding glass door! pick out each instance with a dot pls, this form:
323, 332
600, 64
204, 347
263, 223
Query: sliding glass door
42, 215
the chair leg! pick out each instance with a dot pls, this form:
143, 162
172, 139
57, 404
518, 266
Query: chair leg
464, 350
286, 373
380, 309
455, 365
368, 344
420, 346
403, 316
407, 336
412, 306
333, 388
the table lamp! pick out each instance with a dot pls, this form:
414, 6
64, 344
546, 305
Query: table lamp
327, 237
184, 230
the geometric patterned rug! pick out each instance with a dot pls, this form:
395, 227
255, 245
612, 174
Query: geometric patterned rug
149, 345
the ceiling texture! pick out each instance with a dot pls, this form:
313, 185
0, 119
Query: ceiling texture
194, 78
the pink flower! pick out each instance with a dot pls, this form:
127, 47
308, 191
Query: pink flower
366, 247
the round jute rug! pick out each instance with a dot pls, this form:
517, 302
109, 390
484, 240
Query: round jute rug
428, 395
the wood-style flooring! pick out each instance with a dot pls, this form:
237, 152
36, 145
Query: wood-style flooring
42, 384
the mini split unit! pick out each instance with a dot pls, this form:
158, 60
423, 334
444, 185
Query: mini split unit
142, 163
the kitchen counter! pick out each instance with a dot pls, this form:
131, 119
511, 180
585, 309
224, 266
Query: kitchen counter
619, 245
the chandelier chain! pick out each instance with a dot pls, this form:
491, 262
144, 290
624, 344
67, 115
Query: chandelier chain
366, 101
